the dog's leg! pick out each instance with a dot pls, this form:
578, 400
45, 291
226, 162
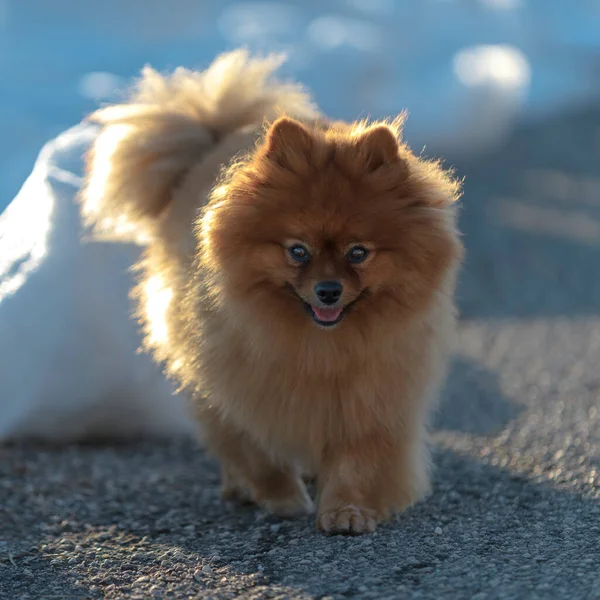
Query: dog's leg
363, 482
250, 473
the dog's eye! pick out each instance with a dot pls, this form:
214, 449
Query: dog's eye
299, 253
357, 254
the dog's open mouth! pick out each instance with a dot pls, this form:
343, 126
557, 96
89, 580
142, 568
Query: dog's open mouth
326, 317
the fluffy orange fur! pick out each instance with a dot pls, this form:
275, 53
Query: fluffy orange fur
279, 391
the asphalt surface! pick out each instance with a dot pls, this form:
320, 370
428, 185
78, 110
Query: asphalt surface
515, 511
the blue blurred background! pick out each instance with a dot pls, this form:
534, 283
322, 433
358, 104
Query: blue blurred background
467, 70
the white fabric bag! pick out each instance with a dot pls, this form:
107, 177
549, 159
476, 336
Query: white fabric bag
69, 366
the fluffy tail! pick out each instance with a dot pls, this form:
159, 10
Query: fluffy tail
170, 123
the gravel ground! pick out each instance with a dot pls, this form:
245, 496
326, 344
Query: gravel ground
515, 511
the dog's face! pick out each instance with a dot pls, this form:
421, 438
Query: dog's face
334, 226
328, 274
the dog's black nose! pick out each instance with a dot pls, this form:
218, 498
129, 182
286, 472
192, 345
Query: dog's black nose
329, 292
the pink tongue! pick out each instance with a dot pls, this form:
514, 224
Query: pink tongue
327, 315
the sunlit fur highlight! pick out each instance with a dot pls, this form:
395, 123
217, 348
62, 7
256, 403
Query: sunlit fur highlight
218, 193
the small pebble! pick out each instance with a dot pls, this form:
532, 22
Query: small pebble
438, 531
206, 569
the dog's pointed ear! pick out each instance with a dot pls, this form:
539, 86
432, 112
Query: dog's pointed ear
287, 137
380, 146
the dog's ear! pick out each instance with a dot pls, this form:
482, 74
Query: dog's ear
286, 139
379, 146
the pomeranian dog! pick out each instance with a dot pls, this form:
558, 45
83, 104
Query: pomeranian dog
306, 272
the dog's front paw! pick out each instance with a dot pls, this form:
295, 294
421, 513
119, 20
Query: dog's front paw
234, 488
293, 504
348, 520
